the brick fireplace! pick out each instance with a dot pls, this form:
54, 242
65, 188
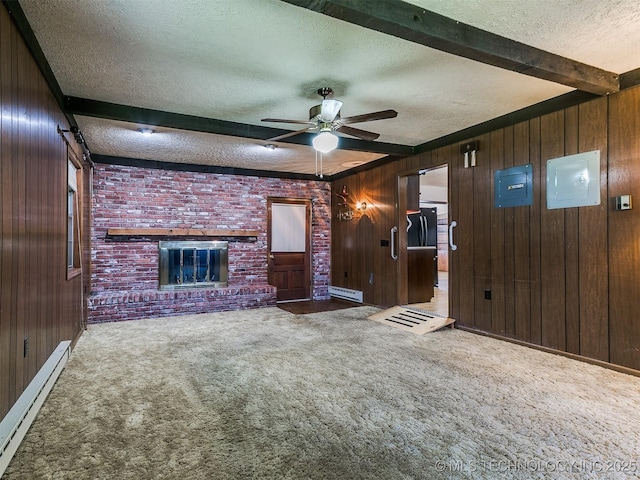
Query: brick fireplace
125, 276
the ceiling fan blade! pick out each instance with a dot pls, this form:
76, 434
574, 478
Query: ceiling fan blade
330, 109
282, 120
356, 132
367, 117
289, 134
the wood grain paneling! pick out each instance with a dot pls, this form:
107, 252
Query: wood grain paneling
593, 268
552, 233
572, 244
359, 260
482, 233
624, 228
7, 341
38, 303
565, 278
377, 231
404, 191
539, 202
386, 272
509, 245
522, 243
499, 244
462, 201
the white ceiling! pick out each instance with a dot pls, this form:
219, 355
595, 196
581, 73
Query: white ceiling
244, 60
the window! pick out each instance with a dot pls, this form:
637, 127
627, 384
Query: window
73, 222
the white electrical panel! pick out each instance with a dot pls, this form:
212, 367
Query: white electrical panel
574, 180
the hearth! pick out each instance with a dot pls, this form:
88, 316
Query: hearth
192, 264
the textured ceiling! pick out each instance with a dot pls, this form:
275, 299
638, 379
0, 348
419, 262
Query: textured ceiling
244, 60
602, 33
181, 146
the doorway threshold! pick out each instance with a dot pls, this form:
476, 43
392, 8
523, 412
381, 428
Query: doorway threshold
316, 306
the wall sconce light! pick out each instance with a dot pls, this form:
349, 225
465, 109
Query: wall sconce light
348, 212
469, 150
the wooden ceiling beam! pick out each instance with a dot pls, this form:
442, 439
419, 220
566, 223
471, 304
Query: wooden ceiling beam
146, 116
415, 24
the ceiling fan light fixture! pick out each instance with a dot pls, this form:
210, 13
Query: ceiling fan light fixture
325, 118
325, 141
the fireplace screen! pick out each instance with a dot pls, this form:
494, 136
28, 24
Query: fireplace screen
193, 264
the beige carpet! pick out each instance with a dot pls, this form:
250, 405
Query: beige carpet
267, 394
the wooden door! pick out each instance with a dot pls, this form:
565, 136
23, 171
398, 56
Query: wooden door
289, 251
399, 243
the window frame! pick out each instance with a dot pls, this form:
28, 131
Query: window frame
73, 250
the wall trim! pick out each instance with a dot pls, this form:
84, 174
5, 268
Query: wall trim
22, 24
630, 79
573, 356
16, 423
189, 167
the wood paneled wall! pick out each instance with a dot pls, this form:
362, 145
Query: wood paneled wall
359, 259
565, 279
624, 229
36, 299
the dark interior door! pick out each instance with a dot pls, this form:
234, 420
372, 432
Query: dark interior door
289, 233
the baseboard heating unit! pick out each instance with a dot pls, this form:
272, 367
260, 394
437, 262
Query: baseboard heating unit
346, 294
15, 424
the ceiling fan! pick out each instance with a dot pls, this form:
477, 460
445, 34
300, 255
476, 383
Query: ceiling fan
325, 118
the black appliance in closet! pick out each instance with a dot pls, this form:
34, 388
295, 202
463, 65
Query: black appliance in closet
422, 231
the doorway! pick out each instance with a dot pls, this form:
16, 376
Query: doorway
434, 196
289, 248
424, 241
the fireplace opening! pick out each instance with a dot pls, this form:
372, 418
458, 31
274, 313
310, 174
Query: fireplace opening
192, 264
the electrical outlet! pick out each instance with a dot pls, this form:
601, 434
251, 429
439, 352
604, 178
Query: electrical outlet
487, 294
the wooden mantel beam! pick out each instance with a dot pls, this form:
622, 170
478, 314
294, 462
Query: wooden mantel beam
415, 24
179, 232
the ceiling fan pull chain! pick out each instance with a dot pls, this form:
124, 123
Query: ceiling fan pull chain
319, 170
